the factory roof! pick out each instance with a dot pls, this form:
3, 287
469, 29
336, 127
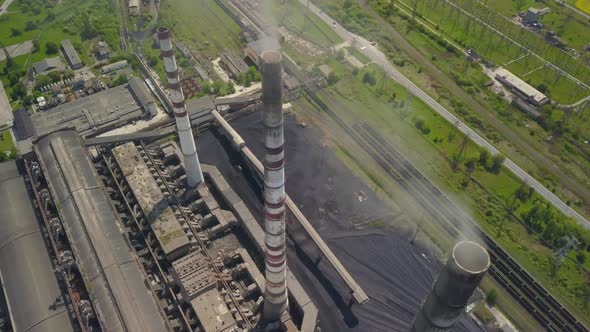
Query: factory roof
71, 54
6, 116
151, 200
28, 279
141, 92
235, 64
117, 286
534, 95
90, 115
205, 103
23, 127
48, 64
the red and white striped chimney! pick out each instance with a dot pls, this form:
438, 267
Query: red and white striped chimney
275, 293
183, 123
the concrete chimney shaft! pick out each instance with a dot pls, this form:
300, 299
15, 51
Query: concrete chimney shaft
454, 286
183, 124
275, 293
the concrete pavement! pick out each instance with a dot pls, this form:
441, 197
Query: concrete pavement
380, 59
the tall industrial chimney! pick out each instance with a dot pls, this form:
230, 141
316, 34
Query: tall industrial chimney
183, 123
275, 293
454, 286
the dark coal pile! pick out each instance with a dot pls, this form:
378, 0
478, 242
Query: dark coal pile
396, 274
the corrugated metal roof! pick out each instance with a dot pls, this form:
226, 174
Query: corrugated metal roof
141, 92
23, 127
28, 279
115, 282
71, 54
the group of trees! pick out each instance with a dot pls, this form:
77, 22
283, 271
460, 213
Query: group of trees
421, 125
492, 164
250, 76
218, 88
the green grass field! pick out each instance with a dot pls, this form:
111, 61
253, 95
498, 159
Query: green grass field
202, 25
293, 15
6, 143
500, 51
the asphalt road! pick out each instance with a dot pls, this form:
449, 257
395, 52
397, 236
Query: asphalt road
380, 59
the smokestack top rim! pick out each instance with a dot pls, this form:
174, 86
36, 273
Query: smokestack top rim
163, 33
471, 257
272, 57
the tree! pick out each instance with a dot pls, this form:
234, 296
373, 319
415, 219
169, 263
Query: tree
153, 60
69, 74
50, 47
41, 81
28, 100
30, 25
35, 45
13, 77
491, 297
50, 16
497, 162
18, 91
484, 155
120, 80
470, 165
15, 32
333, 78
88, 29
524, 192
369, 78
581, 257
542, 87
55, 76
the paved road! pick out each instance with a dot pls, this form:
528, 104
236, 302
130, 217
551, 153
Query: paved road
380, 59
4, 7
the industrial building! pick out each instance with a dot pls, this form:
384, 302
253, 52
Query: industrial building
141, 93
517, 85
93, 114
26, 268
71, 54
114, 66
233, 63
532, 15
49, 64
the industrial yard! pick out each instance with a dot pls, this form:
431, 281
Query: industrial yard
256, 165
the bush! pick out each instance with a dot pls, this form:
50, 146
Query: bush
497, 162
30, 25
369, 78
51, 47
421, 125
491, 297
120, 80
18, 91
